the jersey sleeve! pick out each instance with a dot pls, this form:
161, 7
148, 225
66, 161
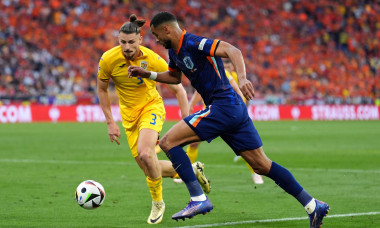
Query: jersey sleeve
207, 46
160, 65
172, 65
104, 73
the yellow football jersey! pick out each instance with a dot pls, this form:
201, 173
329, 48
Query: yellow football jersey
134, 93
233, 75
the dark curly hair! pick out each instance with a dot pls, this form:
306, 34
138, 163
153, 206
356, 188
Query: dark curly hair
162, 17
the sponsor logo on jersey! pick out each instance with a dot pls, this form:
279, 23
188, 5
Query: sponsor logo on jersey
202, 44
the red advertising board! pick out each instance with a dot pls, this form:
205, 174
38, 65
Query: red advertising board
93, 113
314, 112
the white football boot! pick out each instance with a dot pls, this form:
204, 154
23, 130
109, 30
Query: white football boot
157, 212
257, 179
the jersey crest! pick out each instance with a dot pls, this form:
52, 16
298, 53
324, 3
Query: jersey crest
189, 64
144, 65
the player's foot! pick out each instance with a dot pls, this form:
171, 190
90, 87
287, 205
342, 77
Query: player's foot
198, 168
177, 180
194, 208
257, 179
321, 210
237, 158
157, 212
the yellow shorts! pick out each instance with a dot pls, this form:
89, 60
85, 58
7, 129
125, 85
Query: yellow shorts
152, 117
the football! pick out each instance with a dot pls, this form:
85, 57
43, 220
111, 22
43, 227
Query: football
90, 194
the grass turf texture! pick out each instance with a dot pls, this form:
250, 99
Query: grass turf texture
42, 164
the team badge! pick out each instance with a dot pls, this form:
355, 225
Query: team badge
189, 64
144, 64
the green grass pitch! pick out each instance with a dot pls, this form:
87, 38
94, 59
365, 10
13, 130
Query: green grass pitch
41, 164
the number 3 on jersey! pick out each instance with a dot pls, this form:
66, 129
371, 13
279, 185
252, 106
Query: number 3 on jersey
153, 119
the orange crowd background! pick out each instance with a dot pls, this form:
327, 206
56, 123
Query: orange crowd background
296, 52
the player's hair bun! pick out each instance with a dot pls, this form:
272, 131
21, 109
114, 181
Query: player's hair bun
138, 22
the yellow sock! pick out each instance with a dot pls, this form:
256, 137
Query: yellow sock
155, 188
157, 149
192, 153
250, 168
176, 176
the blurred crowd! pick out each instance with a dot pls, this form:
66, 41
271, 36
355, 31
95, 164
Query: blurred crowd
296, 51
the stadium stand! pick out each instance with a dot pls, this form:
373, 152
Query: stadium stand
296, 51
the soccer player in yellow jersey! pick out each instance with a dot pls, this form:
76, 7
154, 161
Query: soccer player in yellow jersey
141, 107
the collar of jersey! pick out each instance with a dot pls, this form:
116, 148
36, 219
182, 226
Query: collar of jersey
181, 40
142, 56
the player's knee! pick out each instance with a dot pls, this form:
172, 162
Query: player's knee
145, 156
259, 171
164, 143
262, 167
195, 144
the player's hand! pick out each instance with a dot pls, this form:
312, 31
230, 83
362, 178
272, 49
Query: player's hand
247, 89
114, 132
135, 71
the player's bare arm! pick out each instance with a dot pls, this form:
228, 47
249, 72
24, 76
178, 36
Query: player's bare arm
235, 86
113, 129
227, 50
181, 95
167, 77
195, 99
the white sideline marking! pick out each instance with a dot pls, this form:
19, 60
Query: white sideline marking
7, 160
232, 166
338, 170
306, 169
279, 220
